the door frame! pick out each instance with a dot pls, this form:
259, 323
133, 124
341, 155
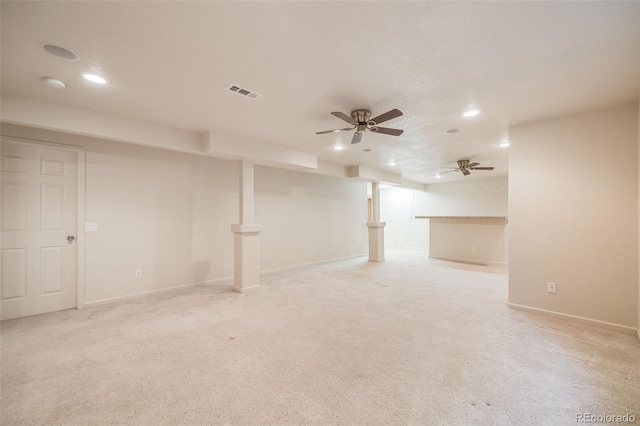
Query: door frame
80, 209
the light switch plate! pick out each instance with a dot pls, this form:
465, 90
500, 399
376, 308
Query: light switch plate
90, 227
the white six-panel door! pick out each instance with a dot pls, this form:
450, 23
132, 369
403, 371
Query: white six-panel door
38, 225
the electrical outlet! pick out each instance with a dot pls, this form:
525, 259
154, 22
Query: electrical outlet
138, 273
551, 288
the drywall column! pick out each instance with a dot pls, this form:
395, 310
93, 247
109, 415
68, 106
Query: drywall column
246, 244
376, 228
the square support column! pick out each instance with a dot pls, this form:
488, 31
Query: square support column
246, 256
246, 192
246, 241
376, 241
376, 228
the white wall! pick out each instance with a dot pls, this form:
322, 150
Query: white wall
308, 218
476, 197
165, 213
169, 214
573, 215
471, 240
398, 206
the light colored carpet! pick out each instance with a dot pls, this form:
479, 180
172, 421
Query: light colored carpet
407, 341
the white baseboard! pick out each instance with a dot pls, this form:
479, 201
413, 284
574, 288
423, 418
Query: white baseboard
246, 289
210, 282
148, 293
582, 320
407, 248
272, 271
472, 261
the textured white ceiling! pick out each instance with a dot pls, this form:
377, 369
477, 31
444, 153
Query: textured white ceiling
171, 62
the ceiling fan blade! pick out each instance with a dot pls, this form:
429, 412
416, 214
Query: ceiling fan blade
357, 137
334, 131
389, 115
481, 168
448, 171
472, 165
465, 172
388, 131
343, 116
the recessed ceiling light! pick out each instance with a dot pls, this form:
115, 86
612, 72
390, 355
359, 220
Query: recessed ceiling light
451, 131
471, 113
504, 144
54, 82
438, 176
338, 147
94, 78
60, 52
392, 163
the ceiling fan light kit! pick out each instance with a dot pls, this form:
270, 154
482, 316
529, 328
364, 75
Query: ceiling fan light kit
361, 121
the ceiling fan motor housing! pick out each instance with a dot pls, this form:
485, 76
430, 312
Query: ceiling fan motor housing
361, 116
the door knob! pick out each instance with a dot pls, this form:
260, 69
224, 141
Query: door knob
70, 238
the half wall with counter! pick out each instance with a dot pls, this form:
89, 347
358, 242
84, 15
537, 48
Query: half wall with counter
471, 239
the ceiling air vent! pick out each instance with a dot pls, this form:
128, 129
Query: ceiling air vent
243, 92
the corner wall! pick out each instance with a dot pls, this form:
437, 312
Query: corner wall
573, 217
398, 206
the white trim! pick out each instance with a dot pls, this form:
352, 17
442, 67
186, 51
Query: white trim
209, 282
473, 261
574, 318
376, 225
317, 262
147, 293
246, 229
407, 248
43, 143
80, 235
245, 289
80, 212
